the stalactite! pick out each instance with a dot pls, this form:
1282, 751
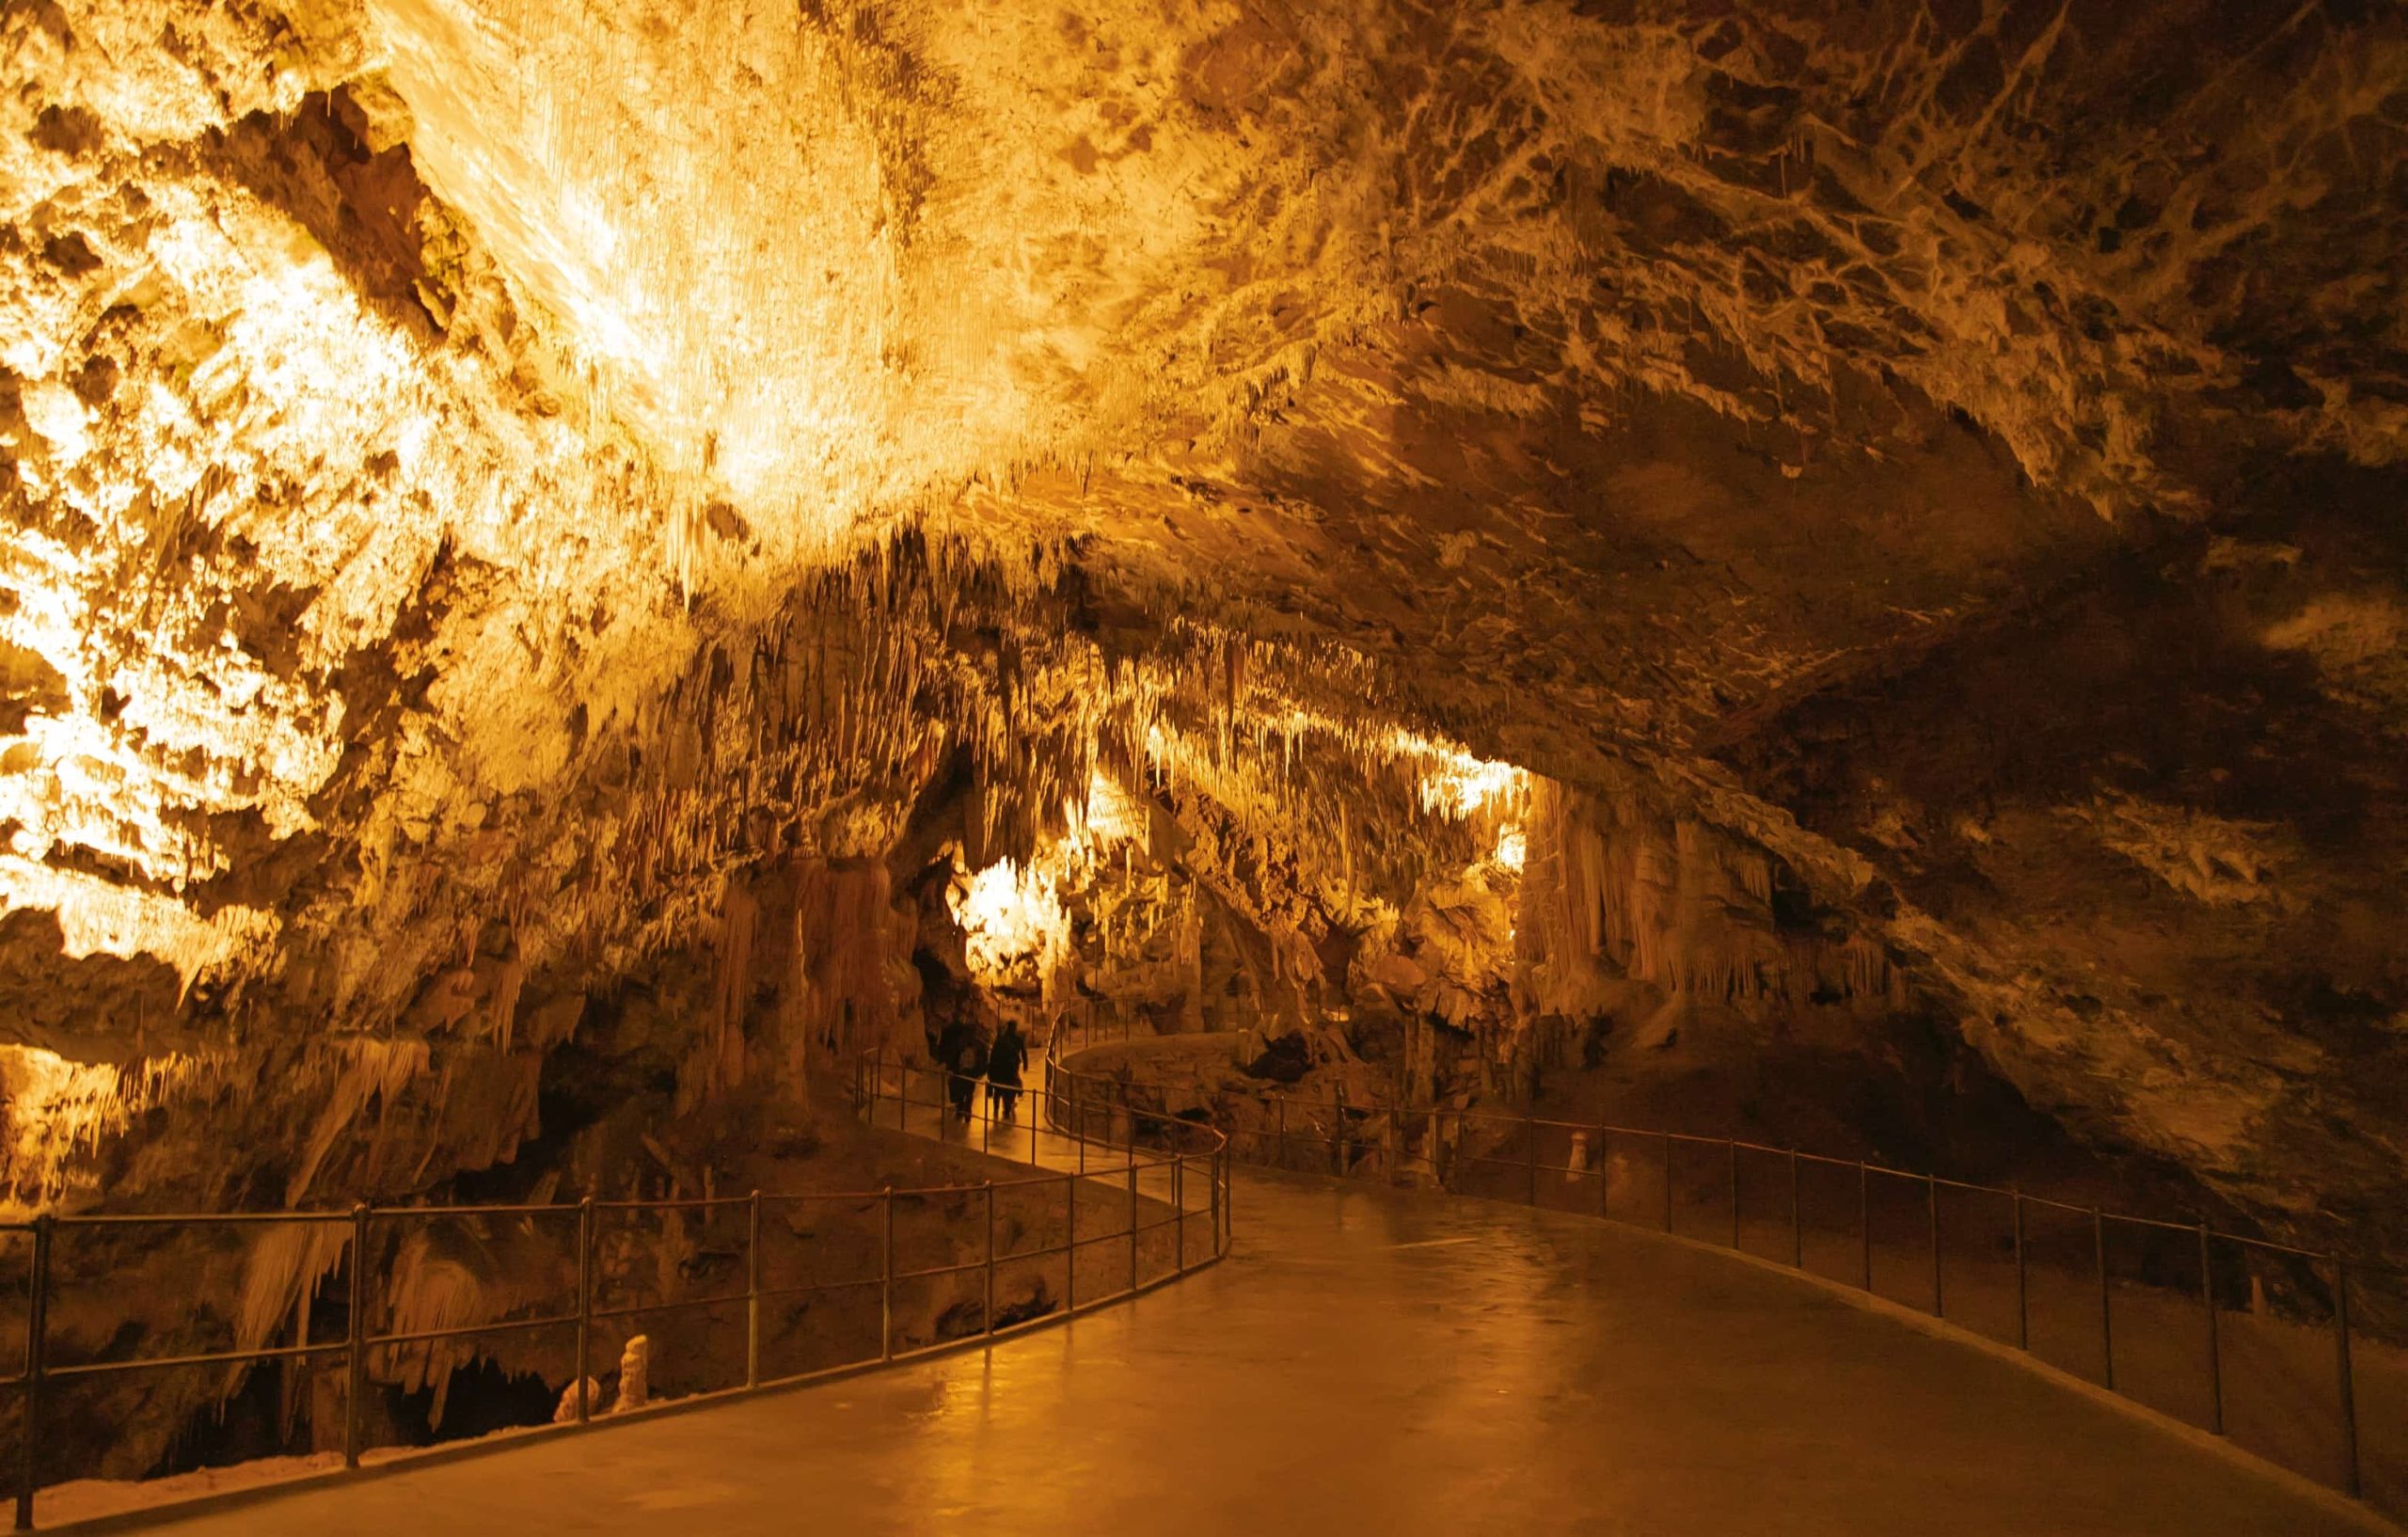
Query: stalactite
739, 915
57, 1110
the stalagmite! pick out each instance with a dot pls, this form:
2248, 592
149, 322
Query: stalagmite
635, 1375
565, 1413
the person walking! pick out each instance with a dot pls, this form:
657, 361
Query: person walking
964, 1059
1005, 1061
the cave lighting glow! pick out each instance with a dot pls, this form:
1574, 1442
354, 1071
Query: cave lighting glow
1458, 783
56, 1107
1011, 913
1010, 916
1512, 848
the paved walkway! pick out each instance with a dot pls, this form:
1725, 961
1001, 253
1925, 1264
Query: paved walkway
1371, 1361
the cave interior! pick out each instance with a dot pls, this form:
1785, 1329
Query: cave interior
1825, 573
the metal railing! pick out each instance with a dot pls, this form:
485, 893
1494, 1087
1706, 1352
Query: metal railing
1071, 1034
1070, 1104
1693, 1185
1200, 1150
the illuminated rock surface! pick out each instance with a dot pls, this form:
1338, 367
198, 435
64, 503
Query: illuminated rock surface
572, 562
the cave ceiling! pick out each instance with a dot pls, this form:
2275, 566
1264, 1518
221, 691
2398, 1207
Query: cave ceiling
1659, 361
1763, 401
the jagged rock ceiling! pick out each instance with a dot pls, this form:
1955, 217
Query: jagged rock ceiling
427, 422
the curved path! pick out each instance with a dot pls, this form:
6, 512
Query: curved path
1380, 1361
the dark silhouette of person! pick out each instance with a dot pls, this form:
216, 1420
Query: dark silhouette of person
1005, 1061
964, 1060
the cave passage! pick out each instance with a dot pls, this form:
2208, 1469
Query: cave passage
1822, 584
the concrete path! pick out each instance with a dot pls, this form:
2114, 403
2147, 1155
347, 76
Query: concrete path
1370, 1361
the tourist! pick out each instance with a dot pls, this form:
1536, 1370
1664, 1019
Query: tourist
965, 1061
1004, 1063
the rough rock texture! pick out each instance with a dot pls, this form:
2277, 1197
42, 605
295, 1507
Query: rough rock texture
560, 541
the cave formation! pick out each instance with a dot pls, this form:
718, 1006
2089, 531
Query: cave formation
1828, 573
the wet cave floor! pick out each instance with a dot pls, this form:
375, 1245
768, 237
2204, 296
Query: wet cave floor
1368, 1360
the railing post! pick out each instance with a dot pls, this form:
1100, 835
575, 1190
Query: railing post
991, 1257
1229, 1187
584, 1307
2022, 1283
1132, 1208
1605, 1178
2351, 1483
2106, 1306
1178, 1209
1797, 1218
886, 1274
1864, 1221
1530, 1159
356, 1340
1213, 1177
1931, 1194
1070, 1243
752, 1271
36, 1325
1735, 1194
1667, 1182
2216, 1351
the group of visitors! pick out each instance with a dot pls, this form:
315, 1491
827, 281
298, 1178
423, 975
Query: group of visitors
967, 1057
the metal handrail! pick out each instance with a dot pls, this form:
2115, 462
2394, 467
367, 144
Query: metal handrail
1342, 1118
1213, 1158
1654, 1133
